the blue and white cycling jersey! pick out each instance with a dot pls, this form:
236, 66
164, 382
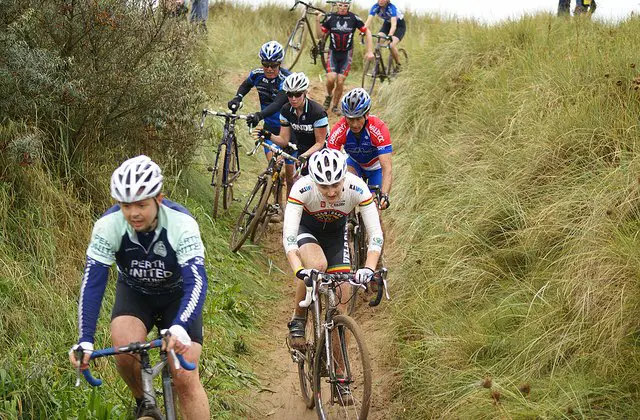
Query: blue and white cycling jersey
267, 90
167, 260
387, 12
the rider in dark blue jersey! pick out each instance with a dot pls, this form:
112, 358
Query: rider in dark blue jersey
162, 282
394, 24
268, 81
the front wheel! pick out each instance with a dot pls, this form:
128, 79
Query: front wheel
305, 365
295, 44
252, 211
369, 75
344, 392
217, 178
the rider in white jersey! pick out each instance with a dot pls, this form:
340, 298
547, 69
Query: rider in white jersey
314, 231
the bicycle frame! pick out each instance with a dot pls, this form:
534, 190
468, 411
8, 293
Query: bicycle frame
147, 372
308, 9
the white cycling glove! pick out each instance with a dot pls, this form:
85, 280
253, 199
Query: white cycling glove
180, 333
303, 273
87, 347
363, 275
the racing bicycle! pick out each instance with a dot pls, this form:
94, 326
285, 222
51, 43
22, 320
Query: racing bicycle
263, 201
226, 167
380, 67
297, 39
149, 409
334, 367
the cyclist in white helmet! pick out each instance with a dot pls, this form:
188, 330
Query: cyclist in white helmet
303, 121
162, 280
314, 232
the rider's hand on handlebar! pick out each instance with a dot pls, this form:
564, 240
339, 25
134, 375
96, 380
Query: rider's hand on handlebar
86, 349
234, 104
363, 275
384, 202
369, 56
303, 273
254, 119
176, 338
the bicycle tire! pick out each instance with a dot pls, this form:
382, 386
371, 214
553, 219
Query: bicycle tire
231, 170
306, 365
218, 178
168, 395
247, 220
370, 74
355, 357
295, 45
263, 224
323, 51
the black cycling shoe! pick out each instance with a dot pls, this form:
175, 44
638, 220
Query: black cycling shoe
296, 332
327, 102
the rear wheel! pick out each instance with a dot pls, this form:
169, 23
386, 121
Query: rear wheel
369, 75
345, 391
250, 215
404, 60
295, 44
273, 203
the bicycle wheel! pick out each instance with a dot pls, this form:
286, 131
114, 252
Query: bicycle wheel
323, 51
305, 365
295, 44
232, 172
370, 74
167, 394
251, 212
350, 370
217, 179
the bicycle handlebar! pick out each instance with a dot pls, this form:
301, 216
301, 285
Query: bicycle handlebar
308, 6
130, 348
380, 277
230, 115
278, 151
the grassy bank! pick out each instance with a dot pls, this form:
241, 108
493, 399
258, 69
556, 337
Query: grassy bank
518, 158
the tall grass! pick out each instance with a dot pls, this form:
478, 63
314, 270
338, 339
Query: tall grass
517, 155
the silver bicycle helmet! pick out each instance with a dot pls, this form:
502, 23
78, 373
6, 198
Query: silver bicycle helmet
296, 82
272, 51
327, 166
136, 179
355, 103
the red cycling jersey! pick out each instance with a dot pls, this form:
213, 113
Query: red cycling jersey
374, 140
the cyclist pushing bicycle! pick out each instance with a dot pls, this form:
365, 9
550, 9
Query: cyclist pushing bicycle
162, 281
366, 139
314, 231
268, 81
303, 122
394, 25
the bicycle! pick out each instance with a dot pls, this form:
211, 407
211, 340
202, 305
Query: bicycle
258, 209
223, 176
296, 41
148, 373
334, 368
379, 68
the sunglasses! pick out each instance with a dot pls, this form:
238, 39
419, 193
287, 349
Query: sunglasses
294, 94
270, 65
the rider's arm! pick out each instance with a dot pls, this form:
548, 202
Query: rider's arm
320, 134
371, 220
291, 224
273, 107
394, 24
283, 139
338, 134
387, 173
368, 41
244, 87
94, 282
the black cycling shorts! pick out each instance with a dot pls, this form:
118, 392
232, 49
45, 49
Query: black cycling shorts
401, 28
339, 62
334, 245
158, 310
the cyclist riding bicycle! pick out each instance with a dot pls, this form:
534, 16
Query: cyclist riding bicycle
340, 27
268, 82
162, 280
303, 122
394, 25
314, 233
366, 140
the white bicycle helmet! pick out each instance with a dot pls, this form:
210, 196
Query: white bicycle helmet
296, 82
355, 103
136, 179
272, 51
327, 166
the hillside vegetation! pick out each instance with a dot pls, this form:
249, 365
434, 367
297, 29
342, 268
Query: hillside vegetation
516, 274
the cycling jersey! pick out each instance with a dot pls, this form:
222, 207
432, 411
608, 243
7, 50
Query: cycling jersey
306, 207
268, 93
386, 12
167, 260
364, 148
303, 127
341, 29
